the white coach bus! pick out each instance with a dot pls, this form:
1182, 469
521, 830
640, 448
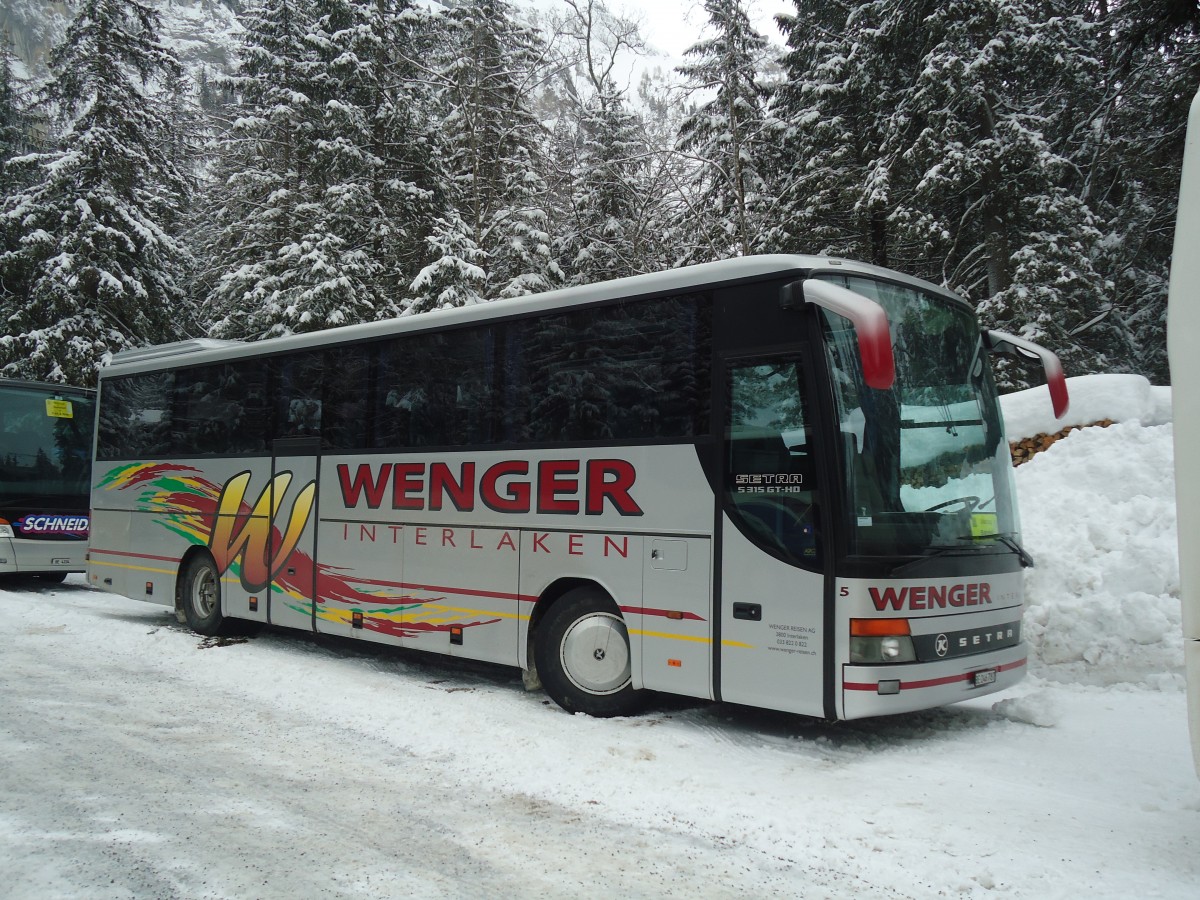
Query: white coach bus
779, 481
45, 457
1183, 347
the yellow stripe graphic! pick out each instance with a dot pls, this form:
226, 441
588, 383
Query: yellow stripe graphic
113, 565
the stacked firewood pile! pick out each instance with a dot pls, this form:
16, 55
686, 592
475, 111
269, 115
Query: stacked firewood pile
1024, 450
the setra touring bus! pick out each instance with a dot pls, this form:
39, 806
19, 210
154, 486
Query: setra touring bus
45, 486
779, 481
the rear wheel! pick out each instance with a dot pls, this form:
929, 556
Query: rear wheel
202, 597
583, 658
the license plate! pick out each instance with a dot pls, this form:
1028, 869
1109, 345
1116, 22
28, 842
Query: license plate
60, 562
987, 676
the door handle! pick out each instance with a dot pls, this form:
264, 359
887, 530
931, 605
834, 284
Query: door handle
751, 611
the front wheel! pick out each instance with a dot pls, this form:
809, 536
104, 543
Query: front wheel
202, 597
583, 658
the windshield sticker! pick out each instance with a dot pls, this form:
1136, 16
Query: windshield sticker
60, 409
984, 524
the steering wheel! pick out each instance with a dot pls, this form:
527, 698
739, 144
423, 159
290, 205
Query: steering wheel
968, 504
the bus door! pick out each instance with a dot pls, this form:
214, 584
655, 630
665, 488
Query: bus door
771, 652
293, 535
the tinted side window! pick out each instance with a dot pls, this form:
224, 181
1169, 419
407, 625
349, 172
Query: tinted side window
435, 390
346, 422
297, 380
135, 416
624, 372
220, 409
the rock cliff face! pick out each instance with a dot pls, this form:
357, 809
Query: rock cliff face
32, 27
202, 32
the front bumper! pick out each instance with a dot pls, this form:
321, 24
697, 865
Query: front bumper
883, 690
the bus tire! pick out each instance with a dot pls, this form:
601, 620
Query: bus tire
583, 657
201, 595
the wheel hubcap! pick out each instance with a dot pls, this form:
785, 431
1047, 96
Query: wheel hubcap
204, 594
595, 653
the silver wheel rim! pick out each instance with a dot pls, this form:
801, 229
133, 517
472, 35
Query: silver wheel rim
595, 653
204, 593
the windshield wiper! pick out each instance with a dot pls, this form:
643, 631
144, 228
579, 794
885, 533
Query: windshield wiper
1011, 544
1007, 540
936, 553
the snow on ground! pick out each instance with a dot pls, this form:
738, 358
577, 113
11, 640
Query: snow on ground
139, 762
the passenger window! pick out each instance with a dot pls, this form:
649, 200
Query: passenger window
135, 419
298, 407
219, 410
435, 390
770, 480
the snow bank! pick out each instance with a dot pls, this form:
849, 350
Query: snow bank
1122, 398
1099, 518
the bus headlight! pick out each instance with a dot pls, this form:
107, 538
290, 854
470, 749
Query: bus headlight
881, 641
881, 650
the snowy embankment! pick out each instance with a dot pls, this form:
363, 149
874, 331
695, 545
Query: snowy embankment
1098, 515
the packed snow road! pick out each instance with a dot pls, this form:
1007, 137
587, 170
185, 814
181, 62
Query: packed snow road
141, 762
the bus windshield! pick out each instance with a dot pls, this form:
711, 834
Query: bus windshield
45, 450
926, 463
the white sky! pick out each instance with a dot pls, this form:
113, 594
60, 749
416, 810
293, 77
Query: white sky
674, 25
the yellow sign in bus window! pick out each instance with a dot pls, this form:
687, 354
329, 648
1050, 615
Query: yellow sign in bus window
59, 409
984, 524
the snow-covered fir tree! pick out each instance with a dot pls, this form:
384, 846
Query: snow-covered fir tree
609, 166
15, 137
938, 130
89, 266
612, 216
263, 170
723, 133
996, 195
1130, 155
327, 186
493, 146
456, 276
830, 188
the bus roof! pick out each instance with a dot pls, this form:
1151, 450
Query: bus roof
724, 272
44, 386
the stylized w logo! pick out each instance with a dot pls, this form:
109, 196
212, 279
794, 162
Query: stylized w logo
247, 537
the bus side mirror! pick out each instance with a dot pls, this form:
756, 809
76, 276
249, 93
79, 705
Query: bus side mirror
1004, 344
869, 319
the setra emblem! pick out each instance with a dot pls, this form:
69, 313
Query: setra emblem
942, 645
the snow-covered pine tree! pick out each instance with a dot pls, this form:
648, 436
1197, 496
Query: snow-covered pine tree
723, 133
94, 270
456, 276
933, 137
612, 215
609, 167
375, 180
327, 179
1131, 151
15, 119
996, 198
15, 140
829, 185
493, 144
263, 204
